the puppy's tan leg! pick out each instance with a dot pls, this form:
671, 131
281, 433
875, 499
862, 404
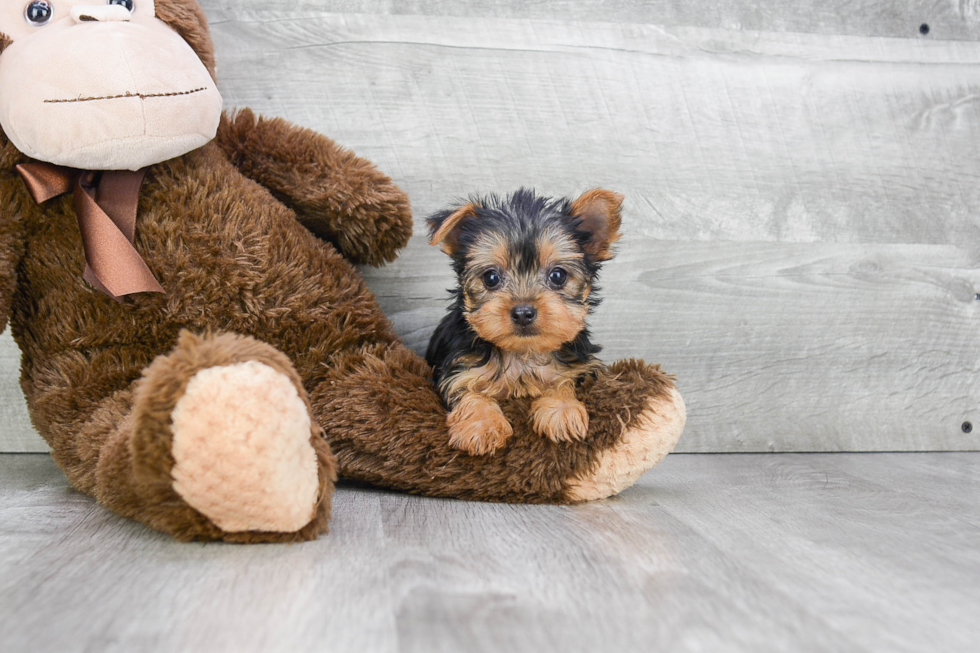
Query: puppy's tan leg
558, 415
477, 425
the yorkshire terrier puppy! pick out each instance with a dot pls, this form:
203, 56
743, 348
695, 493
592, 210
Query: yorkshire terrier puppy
526, 267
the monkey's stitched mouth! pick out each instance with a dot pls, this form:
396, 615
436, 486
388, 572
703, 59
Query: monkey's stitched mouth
142, 96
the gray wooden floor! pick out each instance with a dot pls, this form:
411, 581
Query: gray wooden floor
786, 552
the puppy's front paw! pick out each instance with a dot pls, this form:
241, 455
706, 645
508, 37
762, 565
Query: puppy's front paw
560, 417
478, 426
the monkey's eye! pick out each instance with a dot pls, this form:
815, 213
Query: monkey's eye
558, 277
38, 13
128, 4
491, 279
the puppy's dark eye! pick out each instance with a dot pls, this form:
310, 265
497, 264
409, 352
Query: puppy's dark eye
39, 13
491, 279
558, 277
128, 4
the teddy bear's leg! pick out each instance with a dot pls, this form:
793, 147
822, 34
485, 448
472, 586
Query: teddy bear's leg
387, 426
215, 441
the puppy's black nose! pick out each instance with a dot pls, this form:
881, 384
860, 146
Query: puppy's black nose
523, 314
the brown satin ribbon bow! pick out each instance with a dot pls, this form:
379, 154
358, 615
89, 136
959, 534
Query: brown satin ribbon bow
105, 204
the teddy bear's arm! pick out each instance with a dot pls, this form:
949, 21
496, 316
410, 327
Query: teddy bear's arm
12, 247
338, 196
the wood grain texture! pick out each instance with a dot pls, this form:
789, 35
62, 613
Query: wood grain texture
801, 223
16, 432
959, 19
713, 134
778, 347
756, 553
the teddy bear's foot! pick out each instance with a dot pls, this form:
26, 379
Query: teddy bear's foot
242, 452
643, 444
220, 445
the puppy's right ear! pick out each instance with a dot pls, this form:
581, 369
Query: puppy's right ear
599, 214
445, 226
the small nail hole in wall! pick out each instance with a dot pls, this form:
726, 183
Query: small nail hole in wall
924, 29
967, 427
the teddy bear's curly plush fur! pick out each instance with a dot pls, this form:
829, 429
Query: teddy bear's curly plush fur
253, 237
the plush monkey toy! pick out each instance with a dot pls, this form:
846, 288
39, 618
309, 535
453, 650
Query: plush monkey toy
198, 349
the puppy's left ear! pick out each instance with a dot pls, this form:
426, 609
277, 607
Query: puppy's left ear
444, 227
600, 214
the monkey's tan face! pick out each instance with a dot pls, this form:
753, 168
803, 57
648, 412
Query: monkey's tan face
99, 87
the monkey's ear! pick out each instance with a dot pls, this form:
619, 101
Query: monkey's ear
444, 227
600, 214
187, 19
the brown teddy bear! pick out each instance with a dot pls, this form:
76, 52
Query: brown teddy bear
198, 349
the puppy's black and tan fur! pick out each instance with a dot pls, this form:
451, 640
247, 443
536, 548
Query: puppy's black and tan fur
527, 267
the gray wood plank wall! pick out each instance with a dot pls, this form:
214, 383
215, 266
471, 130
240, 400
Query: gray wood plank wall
802, 239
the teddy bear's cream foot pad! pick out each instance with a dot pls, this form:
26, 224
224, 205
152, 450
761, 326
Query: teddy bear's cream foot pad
644, 444
242, 452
